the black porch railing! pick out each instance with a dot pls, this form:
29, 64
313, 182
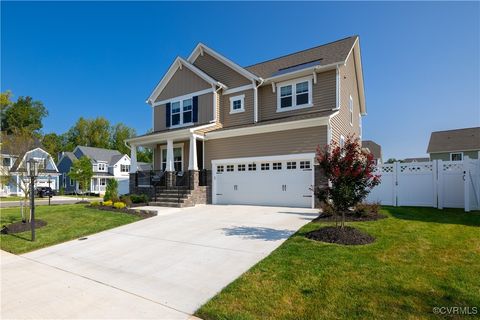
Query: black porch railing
202, 177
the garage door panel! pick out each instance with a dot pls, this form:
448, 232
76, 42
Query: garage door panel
287, 186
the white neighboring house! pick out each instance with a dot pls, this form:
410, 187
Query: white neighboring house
16, 166
106, 164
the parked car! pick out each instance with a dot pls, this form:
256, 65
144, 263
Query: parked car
44, 192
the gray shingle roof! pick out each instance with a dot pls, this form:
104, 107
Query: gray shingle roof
454, 140
322, 55
115, 158
99, 154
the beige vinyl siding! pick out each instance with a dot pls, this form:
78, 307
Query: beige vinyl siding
323, 96
158, 158
348, 86
265, 144
183, 82
220, 72
240, 118
205, 112
445, 156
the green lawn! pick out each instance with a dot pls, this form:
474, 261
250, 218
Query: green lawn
422, 258
65, 222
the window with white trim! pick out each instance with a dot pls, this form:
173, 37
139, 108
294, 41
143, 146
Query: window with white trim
241, 167
291, 165
230, 168
177, 158
181, 112
124, 168
342, 141
456, 156
277, 166
72, 182
103, 182
294, 94
102, 167
350, 108
237, 104
304, 164
252, 166
219, 169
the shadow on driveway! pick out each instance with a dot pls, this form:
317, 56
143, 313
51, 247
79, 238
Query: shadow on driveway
258, 233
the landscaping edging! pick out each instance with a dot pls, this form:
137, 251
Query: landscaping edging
20, 226
143, 214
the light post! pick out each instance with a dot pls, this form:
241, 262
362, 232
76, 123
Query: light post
49, 189
32, 172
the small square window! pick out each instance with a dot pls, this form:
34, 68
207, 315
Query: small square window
304, 164
277, 166
265, 166
241, 167
456, 156
237, 104
230, 168
219, 169
252, 167
291, 165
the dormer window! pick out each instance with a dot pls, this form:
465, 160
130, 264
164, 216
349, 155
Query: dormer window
102, 167
295, 94
237, 104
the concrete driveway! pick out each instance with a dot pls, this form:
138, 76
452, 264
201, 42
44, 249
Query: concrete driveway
173, 263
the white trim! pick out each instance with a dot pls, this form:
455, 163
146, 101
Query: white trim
452, 153
301, 72
242, 104
181, 113
337, 88
171, 71
165, 147
329, 132
350, 52
196, 52
49, 158
238, 89
293, 83
186, 96
274, 127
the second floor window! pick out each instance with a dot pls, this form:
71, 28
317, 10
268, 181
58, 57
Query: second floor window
6, 162
124, 168
181, 112
294, 94
102, 167
237, 104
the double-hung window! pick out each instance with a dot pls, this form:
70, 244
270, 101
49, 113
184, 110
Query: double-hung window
124, 168
182, 112
102, 167
294, 94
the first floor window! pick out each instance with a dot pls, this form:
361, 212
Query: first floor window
72, 182
124, 168
457, 156
103, 181
177, 159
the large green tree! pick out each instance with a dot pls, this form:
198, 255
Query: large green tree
53, 144
22, 116
89, 132
120, 132
82, 172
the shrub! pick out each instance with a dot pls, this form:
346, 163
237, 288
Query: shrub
94, 203
365, 209
139, 198
349, 170
119, 205
126, 200
108, 203
111, 192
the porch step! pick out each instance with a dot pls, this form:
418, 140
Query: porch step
169, 204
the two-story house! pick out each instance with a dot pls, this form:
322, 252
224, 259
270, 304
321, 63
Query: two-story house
106, 164
254, 129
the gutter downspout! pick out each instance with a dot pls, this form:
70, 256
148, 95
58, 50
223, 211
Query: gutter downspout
255, 100
215, 104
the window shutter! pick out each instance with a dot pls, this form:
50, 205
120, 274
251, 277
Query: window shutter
195, 109
167, 117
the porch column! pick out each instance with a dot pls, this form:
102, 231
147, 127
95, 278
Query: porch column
133, 158
170, 167
192, 157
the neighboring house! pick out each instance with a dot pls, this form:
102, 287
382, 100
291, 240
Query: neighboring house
15, 166
254, 129
375, 149
106, 164
420, 159
454, 145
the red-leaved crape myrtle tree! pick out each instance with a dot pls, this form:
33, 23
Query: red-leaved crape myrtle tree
349, 170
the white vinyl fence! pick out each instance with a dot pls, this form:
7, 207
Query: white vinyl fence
439, 184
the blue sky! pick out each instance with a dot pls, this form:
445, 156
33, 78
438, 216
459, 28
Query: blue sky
421, 60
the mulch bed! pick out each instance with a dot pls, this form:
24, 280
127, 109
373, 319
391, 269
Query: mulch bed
347, 235
143, 214
351, 216
20, 226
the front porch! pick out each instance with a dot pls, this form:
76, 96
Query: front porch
178, 177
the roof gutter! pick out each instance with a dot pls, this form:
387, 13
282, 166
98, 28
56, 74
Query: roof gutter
288, 75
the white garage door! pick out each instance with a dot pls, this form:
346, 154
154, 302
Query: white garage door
273, 181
